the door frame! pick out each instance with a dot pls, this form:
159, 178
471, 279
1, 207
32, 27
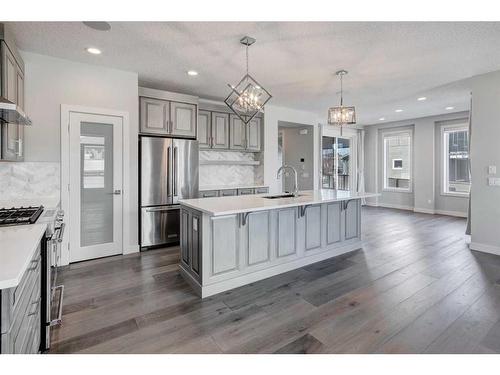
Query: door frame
347, 133
66, 110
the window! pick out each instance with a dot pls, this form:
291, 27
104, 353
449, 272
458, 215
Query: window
397, 161
336, 160
456, 179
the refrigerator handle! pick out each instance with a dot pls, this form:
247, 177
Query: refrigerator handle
175, 171
168, 176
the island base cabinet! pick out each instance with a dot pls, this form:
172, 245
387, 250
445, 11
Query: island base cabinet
220, 253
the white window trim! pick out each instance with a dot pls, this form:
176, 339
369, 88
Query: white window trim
385, 135
444, 168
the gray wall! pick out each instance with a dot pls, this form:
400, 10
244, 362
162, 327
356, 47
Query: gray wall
51, 82
485, 151
426, 195
295, 147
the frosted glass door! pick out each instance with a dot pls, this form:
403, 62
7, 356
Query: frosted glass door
96, 183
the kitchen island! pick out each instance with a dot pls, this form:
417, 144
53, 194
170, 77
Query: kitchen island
227, 242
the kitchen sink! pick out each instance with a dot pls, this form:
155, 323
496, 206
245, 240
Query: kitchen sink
276, 196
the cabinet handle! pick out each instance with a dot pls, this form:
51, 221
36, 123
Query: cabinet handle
36, 303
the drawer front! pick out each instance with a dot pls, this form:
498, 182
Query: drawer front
209, 193
262, 190
23, 341
228, 192
245, 191
15, 300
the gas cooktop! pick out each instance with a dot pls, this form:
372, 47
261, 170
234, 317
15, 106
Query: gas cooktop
20, 215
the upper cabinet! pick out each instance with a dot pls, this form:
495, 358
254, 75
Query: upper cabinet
160, 116
238, 134
155, 116
204, 129
12, 88
225, 131
253, 134
220, 130
183, 119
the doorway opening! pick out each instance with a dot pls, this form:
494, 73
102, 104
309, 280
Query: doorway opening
296, 149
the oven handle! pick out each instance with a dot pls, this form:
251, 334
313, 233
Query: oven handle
61, 232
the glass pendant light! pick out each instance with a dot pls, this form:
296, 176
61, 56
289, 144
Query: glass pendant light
248, 97
341, 115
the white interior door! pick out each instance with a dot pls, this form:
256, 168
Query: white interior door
95, 190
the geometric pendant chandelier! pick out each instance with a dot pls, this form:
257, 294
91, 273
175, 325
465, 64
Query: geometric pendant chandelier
341, 115
248, 97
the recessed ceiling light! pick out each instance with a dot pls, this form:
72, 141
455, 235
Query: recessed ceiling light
93, 50
99, 25
449, 108
382, 119
398, 110
422, 98
192, 73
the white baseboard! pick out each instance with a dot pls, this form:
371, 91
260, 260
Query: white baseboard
131, 249
451, 213
396, 206
491, 249
424, 210
429, 211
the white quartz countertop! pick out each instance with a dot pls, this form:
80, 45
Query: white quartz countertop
17, 247
226, 187
219, 206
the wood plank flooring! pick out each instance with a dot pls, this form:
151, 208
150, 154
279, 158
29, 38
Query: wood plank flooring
415, 287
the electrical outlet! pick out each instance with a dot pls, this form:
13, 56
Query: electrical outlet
493, 181
492, 169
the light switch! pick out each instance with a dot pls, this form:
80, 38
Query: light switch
492, 169
493, 181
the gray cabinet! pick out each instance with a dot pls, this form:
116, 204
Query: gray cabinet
209, 193
20, 312
163, 117
352, 212
237, 134
155, 116
253, 134
313, 227
191, 241
228, 192
262, 190
287, 232
220, 130
12, 88
246, 191
183, 119
204, 129
258, 238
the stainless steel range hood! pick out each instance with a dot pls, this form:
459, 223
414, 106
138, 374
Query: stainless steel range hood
11, 113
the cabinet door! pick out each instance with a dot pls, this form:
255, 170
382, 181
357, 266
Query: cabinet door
10, 136
237, 134
183, 119
253, 134
154, 116
20, 88
351, 219
220, 130
204, 129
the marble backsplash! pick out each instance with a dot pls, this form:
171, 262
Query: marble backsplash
229, 175
29, 180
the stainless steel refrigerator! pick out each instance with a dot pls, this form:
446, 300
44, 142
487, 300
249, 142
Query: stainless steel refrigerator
169, 172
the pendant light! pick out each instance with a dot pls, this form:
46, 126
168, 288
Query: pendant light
248, 97
341, 115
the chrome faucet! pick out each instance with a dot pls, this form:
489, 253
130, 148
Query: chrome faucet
295, 187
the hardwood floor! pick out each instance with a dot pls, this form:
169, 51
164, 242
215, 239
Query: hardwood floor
415, 287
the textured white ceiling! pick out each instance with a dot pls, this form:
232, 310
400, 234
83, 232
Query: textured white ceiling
389, 64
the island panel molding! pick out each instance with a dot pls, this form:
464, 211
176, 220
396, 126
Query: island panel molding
231, 250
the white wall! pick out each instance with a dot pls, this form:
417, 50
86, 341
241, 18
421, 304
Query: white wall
426, 196
485, 151
51, 82
274, 114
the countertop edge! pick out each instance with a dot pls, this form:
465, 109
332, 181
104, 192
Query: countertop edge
12, 283
291, 204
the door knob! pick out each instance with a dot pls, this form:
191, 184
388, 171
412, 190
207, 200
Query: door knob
116, 192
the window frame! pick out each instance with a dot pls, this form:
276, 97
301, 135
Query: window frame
445, 130
385, 136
